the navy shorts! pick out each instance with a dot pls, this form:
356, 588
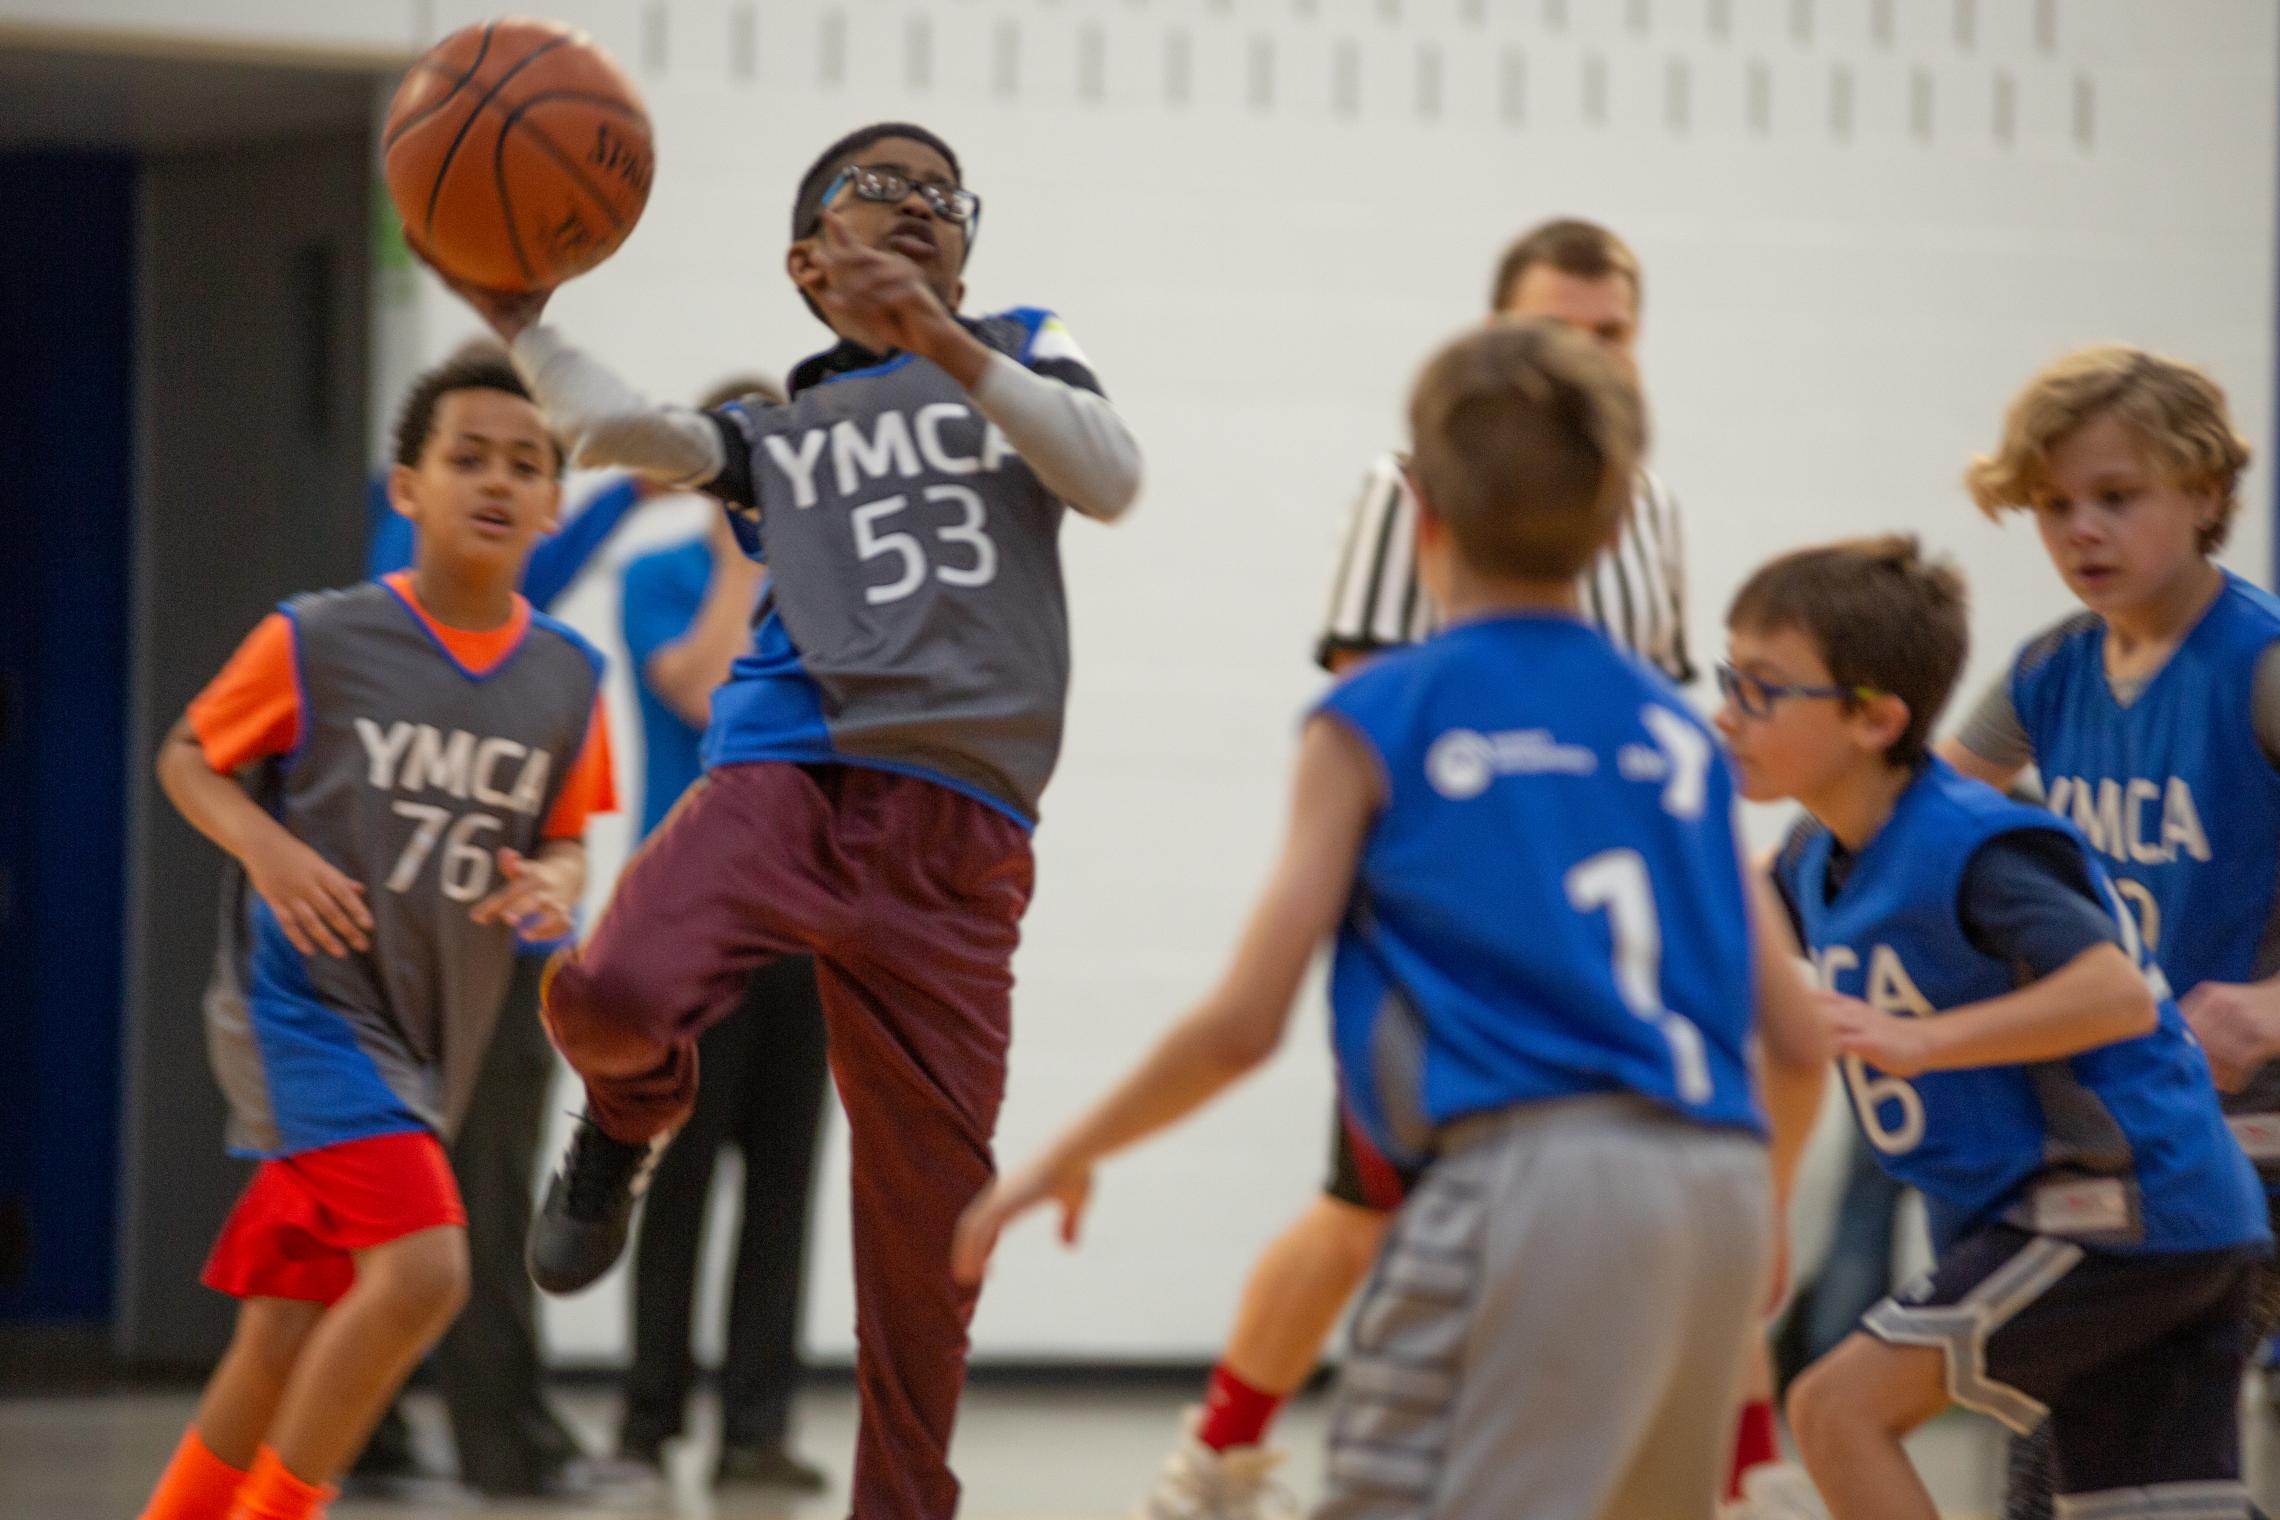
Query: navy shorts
2135, 1360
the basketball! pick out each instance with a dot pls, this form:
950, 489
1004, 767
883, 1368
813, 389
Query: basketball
518, 154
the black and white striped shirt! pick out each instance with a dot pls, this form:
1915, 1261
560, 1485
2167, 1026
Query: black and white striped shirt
1636, 591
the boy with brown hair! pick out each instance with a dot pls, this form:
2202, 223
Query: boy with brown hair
1547, 963
401, 773
2153, 713
2010, 1052
1582, 274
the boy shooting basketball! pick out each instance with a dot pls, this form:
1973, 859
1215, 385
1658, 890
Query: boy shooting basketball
875, 761
401, 774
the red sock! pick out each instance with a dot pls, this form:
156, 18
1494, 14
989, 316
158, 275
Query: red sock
1754, 1444
271, 1492
197, 1485
1234, 1413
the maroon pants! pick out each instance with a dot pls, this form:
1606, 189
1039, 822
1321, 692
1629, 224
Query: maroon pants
909, 896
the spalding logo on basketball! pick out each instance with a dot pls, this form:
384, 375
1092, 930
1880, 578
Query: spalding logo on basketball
518, 154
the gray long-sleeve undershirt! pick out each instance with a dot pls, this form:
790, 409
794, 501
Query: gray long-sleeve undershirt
1073, 439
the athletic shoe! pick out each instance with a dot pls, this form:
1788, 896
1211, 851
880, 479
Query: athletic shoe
1198, 1483
580, 1230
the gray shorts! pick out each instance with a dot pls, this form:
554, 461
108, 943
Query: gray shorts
1558, 1324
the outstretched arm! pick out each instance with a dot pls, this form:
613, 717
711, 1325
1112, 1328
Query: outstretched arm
1239, 1024
605, 422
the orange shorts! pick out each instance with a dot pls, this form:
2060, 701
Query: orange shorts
297, 1227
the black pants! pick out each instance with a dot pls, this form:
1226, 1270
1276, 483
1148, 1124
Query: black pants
487, 1365
760, 1089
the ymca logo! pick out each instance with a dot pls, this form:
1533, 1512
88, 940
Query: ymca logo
2137, 822
1463, 762
421, 758
938, 437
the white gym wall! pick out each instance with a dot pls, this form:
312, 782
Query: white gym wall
1864, 223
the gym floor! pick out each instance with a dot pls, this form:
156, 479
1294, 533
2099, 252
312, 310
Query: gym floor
1027, 1451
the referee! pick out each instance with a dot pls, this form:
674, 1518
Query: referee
1574, 272
1582, 274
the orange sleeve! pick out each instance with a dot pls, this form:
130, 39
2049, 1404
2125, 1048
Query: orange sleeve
252, 709
592, 784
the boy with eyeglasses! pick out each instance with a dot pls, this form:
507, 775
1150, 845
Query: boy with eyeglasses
2010, 1050
874, 763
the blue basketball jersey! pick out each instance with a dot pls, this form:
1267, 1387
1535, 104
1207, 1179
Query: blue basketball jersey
1551, 902
2122, 1146
2172, 790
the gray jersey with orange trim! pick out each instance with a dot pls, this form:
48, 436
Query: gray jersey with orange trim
409, 775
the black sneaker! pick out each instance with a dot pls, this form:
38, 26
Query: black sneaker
580, 1230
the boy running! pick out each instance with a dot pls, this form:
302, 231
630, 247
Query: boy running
2153, 713
401, 774
875, 761
2010, 1052
1547, 961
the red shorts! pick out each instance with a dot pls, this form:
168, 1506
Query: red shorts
295, 1230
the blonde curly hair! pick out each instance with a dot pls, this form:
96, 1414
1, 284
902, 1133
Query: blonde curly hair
2177, 412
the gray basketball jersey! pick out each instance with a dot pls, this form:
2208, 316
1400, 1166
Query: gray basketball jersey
915, 618
409, 775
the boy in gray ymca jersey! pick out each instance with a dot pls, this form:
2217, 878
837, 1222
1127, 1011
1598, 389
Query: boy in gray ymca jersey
401, 773
874, 763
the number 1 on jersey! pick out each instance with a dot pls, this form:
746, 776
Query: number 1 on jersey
1617, 881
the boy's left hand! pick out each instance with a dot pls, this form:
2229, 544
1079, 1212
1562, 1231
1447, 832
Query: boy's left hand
1898, 1046
1006, 1200
537, 899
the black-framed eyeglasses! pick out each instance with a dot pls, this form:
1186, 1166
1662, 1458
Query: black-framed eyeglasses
883, 182
1755, 697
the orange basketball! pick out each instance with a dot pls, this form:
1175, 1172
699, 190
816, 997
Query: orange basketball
517, 153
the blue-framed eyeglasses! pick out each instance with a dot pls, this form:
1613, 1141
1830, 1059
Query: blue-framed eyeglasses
883, 182
1755, 697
